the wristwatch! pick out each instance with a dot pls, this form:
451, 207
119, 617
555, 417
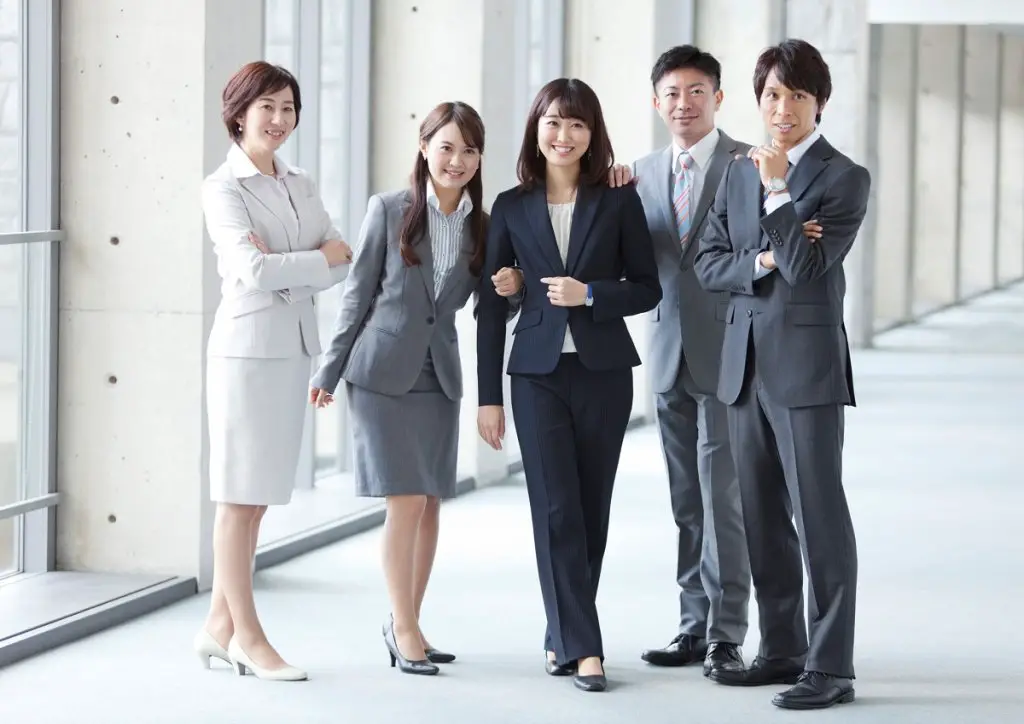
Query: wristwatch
589, 301
777, 185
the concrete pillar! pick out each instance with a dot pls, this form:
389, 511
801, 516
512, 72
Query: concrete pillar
140, 128
937, 170
980, 161
894, 175
405, 41
1010, 224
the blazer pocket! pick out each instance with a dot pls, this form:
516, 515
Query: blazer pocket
253, 302
722, 310
528, 319
812, 315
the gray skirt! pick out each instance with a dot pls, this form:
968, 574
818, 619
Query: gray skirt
405, 444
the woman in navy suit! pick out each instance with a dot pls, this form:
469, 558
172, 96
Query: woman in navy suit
588, 263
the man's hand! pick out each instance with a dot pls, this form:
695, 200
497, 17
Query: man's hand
767, 260
490, 423
619, 175
508, 281
565, 291
812, 230
771, 162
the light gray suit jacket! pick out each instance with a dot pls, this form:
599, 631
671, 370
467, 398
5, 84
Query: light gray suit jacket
689, 321
389, 318
795, 313
267, 300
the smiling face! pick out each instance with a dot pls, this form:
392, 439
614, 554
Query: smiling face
451, 161
268, 121
562, 141
687, 101
788, 115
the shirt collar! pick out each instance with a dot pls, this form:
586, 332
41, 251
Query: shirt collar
465, 203
243, 167
797, 152
701, 151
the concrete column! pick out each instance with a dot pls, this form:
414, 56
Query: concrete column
937, 170
140, 128
980, 161
894, 176
409, 79
735, 32
1010, 224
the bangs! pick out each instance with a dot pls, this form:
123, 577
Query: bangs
572, 103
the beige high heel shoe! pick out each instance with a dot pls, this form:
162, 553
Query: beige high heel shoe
207, 649
241, 661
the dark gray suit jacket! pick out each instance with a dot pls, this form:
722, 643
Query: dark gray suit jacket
795, 314
389, 316
689, 321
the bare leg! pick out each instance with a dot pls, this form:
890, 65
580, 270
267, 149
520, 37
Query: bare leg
218, 620
423, 561
232, 556
401, 527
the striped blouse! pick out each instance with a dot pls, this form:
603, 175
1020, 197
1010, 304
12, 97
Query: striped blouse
445, 234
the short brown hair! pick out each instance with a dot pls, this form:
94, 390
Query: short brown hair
575, 99
251, 82
798, 66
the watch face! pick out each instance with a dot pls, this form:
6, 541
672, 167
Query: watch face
777, 184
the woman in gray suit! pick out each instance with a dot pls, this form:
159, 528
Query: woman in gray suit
418, 260
276, 248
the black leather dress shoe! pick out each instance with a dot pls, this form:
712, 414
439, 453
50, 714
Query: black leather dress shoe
723, 657
438, 657
815, 690
553, 669
682, 650
590, 682
763, 672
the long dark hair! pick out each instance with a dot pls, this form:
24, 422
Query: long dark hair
414, 222
575, 99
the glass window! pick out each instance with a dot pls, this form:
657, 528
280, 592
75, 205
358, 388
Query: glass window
11, 336
280, 47
11, 165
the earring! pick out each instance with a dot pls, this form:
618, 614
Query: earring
538, 150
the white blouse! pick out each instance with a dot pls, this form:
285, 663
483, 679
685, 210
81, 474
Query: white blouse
561, 224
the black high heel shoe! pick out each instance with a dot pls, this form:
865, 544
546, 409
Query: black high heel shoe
590, 682
420, 666
553, 669
439, 657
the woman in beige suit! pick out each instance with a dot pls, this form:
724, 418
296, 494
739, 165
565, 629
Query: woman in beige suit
276, 248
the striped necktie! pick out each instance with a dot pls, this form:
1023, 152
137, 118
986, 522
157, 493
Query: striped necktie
682, 191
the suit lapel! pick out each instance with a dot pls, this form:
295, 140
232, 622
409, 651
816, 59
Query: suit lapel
425, 252
272, 204
460, 272
587, 200
724, 152
809, 168
536, 206
663, 187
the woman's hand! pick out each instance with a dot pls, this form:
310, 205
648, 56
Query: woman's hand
566, 291
508, 281
320, 398
337, 252
490, 422
258, 243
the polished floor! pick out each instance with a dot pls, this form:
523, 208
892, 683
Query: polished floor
935, 477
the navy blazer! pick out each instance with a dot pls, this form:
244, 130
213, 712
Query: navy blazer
610, 248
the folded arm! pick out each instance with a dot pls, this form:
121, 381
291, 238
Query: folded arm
229, 226
718, 265
493, 310
327, 231
843, 206
363, 279
640, 289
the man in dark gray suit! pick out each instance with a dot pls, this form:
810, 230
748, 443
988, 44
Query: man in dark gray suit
786, 375
677, 185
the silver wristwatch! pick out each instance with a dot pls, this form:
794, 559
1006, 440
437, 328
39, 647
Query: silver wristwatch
777, 185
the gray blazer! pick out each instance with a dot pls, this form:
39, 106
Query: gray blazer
795, 313
388, 317
689, 321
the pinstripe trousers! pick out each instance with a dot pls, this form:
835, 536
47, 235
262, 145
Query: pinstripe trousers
571, 424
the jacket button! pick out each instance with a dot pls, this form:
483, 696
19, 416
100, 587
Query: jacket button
750, 313
430, 320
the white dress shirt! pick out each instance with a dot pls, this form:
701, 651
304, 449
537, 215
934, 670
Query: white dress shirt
773, 202
445, 234
701, 153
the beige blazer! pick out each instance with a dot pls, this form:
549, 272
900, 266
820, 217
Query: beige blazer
267, 300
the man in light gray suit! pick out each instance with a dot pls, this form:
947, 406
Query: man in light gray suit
677, 185
786, 376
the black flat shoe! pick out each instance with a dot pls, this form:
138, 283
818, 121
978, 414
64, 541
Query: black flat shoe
814, 690
439, 657
682, 650
420, 666
723, 657
553, 669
